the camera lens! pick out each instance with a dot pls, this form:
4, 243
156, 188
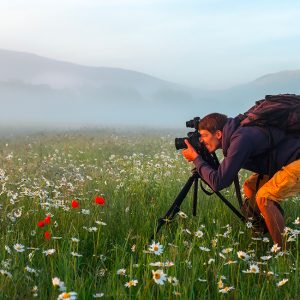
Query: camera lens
180, 144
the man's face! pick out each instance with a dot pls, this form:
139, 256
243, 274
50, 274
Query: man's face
212, 141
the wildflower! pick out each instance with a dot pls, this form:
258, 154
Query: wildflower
67, 296
211, 260
47, 220
226, 289
159, 277
7, 249
173, 280
30, 270
75, 240
41, 224
121, 272
282, 282
19, 247
133, 247
49, 252
242, 255
275, 248
157, 264
100, 223
297, 221
220, 284
56, 281
168, 264
204, 249
252, 269
266, 257
47, 235
182, 215
156, 248
6, 273
76, 254
230, 262
202, 280
99, 200
226, 250
75, 204
98, 295
249, 225
199, 234
214, 243
85, 211
131, 283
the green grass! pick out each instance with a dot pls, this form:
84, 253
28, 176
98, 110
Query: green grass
139, 175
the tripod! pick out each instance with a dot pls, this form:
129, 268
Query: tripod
193, 179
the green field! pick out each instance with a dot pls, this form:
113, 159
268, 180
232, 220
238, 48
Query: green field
138, 175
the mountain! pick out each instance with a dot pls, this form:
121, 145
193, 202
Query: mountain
39, 89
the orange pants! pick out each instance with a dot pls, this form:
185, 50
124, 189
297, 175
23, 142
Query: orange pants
284, 183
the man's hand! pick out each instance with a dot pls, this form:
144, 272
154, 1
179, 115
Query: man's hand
190, 153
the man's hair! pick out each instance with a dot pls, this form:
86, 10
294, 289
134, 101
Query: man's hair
213, 122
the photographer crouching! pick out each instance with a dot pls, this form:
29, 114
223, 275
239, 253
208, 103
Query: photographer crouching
271, 154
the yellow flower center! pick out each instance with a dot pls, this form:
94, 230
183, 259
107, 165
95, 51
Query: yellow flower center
156, 275
155, 248
66, 295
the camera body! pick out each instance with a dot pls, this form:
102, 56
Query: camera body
194, 138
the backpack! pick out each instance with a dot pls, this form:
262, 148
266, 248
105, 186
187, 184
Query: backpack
282, 111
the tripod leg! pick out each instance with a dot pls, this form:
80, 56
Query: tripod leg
175, 207
195, 197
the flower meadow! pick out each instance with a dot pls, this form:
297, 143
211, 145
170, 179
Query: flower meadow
78, 210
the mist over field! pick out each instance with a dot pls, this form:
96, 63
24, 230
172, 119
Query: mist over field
38, 92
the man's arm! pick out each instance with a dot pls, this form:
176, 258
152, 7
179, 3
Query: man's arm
238, 152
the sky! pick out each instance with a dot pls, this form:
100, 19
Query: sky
201, 43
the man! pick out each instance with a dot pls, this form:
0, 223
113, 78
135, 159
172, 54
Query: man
249, 147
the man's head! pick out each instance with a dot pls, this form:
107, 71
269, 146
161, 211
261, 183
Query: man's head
211, 129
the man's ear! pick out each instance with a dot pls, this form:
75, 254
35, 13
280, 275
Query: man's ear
218, 134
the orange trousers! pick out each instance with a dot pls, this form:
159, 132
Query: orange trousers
284, 183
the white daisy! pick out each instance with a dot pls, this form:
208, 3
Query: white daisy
226, 289
204, 249
275, 248
182, 215
121, 272
159, 277
199, 234
49, 252
243, 255
173, 280
131, 283
19, 247
67, 296
282, 282
156, 248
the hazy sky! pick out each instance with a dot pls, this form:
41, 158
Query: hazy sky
204, 43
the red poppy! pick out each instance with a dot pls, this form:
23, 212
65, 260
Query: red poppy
75, 203
47, 220
47, 235
99, 200
41, 223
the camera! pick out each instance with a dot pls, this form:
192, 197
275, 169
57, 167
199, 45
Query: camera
194, 138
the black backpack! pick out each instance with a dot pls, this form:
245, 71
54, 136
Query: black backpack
282, 111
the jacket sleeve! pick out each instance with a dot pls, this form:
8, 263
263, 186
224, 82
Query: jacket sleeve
237, 154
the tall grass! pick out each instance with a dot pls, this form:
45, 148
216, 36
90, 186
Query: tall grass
139, 177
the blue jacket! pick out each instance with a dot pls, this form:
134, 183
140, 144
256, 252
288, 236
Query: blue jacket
248, 148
